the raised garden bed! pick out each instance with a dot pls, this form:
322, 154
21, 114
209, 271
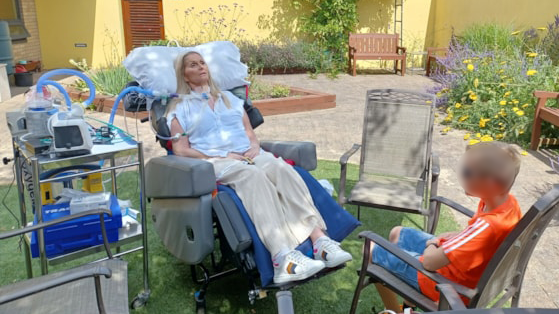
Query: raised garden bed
299, 100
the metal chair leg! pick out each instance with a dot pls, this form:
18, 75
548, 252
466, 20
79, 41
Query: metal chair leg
357, 293
285, 302
358, 212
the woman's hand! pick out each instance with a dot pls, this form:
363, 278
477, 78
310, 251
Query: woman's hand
253, 151
235, 156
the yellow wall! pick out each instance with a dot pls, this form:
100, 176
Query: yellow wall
519, 14
64, 23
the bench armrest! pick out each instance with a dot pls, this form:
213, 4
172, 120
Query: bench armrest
400, 49
302, 153
179, 177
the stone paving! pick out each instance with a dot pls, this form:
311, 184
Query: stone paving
335, 130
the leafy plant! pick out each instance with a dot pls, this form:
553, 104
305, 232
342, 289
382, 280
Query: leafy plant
490, 37
490, 92
329, 23
109, 81
221, 23
263, 90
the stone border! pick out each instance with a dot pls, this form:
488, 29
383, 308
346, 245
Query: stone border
300, 99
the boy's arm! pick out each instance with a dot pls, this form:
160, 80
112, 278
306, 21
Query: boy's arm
434, 256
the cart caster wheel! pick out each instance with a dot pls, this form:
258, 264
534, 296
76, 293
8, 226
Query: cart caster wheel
140, 300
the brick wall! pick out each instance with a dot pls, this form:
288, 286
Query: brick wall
29, 49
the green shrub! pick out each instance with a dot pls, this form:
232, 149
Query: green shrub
491, 37
109, 81
263, 90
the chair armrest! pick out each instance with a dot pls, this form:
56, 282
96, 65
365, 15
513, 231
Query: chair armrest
414, 262
179, 177
435, 166
343, 172
449, 298
302, 153
400, 49
442, 200
66, 277
345, 157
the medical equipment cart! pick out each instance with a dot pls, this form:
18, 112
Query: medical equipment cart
122, 146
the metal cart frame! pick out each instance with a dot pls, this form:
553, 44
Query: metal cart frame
39, 164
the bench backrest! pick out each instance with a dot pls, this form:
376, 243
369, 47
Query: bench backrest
373, 43
504, 274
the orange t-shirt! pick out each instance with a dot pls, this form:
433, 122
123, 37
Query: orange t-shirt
470, 251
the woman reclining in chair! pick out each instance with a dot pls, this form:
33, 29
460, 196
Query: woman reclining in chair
216, 128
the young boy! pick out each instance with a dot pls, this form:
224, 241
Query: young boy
488, 171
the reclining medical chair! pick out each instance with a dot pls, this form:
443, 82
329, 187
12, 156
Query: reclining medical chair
193, 215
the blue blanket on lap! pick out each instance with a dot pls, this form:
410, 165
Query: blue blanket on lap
339, 223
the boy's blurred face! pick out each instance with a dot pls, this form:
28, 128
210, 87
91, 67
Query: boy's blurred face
476, 176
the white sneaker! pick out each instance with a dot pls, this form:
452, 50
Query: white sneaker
330, 252
295, 266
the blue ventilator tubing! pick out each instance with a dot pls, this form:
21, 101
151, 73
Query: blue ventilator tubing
43, 80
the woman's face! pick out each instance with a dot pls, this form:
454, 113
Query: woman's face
195, 70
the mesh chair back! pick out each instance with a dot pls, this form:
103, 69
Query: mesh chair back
506, 269
397, 133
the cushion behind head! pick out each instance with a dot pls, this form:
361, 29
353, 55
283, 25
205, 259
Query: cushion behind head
153, 67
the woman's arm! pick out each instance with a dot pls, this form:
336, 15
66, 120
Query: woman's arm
181, 146
254, 142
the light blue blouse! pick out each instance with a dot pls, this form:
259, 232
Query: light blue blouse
214, 133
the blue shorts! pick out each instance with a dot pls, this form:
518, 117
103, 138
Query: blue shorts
413, 242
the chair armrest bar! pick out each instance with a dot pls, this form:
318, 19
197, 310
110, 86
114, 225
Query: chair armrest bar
449, 298
415, 263
70, 276
302, 153
53, 222
435, 166
546, 94
402, 49
453, 205
345, 157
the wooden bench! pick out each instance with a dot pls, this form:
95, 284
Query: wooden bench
433, 54
376, 47
543, 113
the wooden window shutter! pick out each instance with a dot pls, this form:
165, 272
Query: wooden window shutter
143, 22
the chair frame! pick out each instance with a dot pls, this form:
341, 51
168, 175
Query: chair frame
69, 276
431, 172
543, 113
539, 214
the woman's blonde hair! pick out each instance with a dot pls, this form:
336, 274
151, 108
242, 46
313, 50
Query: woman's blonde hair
184, 88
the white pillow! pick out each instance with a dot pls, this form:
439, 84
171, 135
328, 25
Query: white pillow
153, 67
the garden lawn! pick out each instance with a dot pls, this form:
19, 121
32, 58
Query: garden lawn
172, 289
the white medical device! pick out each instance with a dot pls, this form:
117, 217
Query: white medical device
70, 132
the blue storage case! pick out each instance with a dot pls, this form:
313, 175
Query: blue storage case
77, 233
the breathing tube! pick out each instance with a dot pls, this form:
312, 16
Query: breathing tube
43, 80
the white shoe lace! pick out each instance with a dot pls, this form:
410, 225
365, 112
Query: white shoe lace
298, 258
331, 246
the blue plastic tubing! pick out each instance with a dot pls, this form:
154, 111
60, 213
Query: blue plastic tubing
122, 94
43, 80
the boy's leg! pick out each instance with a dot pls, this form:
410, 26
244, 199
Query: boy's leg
411, 240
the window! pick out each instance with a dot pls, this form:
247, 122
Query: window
10, 11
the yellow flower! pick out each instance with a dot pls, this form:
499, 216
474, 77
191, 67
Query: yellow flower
449, 110
525, 106
486, 138
507, 94
436, 114
476, 83
478, 135
520, 113
470, 67
501, 71
503, 63
503, 85
503, 77
515, 109
502, 102
470, 91
515, 33
521, 131
542, 28
503, 113
428, 102
482, 122
463, 118
439, 94
466, 61
524, 153
532, 54
473, 97
445, 130
515, 101
473, 142
448, 119
457, 105
467, 136
499, 136
531, 72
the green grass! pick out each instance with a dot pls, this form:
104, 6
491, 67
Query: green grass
171, 285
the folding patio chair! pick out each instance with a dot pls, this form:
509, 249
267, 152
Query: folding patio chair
397, 170
78, 290
500, 281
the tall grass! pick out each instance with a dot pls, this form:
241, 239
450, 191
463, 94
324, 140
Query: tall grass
108, 81
490, 37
